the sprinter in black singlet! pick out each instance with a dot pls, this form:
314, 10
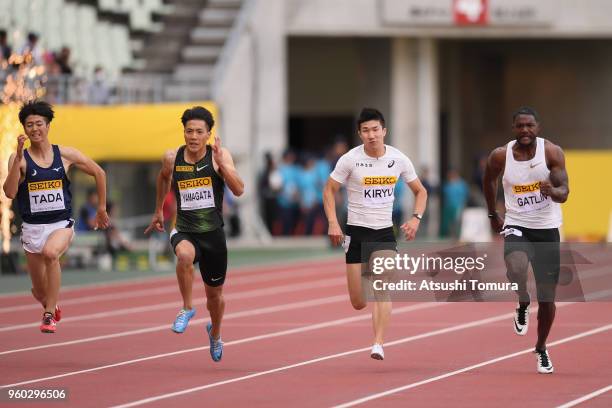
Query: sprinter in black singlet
198, 173
38, 178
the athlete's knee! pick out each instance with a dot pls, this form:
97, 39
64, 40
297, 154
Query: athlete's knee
358, 303
50, 255
517, 264
184, 258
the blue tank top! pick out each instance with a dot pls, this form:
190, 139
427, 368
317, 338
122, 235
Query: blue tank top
44, 196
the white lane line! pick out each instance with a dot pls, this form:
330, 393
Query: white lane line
272, 290
318, 360
245, 269
296, 330
587, 397
164, 327
172, 287
469, 368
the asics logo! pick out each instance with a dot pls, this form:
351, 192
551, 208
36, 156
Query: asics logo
201, 168
391, 164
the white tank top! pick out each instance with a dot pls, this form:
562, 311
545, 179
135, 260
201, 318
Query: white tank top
370, 183
525, 205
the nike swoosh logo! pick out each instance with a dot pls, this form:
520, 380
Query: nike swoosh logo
214, 280
34, 173
531, 166
201, 168
391, 164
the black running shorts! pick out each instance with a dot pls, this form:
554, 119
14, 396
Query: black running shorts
210, 253
543, 250
360, 242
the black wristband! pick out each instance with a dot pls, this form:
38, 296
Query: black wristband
492, 215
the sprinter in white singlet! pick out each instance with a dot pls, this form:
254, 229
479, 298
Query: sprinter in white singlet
370, 172
535, 182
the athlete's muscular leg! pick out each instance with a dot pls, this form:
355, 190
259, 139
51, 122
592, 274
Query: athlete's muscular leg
381, 315
56, 245
185, 255
216, 307
517, 265
38, 276
546, 311
353, 280
546, 317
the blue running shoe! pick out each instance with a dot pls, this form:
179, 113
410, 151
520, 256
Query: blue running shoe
182, 320
216, 346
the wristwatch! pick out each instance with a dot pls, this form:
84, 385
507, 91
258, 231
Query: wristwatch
417, 216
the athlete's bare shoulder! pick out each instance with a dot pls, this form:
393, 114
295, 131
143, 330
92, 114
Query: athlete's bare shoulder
552, 149
553, 153
170, 155
498, 156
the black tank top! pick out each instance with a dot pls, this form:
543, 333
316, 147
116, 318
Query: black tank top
199, 193
44, 196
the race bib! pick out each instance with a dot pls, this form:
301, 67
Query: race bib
46, 196
378, 190
529, 198
196, 193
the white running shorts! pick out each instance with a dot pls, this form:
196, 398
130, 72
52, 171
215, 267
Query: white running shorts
34, 236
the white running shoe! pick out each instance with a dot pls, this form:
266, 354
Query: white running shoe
377, 352
544, 364
521, 320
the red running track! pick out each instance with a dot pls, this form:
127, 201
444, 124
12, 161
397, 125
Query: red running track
292, 339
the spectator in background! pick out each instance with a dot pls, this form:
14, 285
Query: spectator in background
288, 198
115, 242
397, 215
455, 193
98, 92
308, 189
268, 185
5, 49
62, 59
87, 213
231, 214
31, 51
431, 192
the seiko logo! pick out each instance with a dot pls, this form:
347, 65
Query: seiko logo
363, 164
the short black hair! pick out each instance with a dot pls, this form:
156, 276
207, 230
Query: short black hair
32, 36
2, 33
368, 114
198, 113
526, 110
36, 107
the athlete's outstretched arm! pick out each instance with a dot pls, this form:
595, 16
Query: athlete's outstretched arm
411, 226
87, 165
494, 168
164, 179
329, 204
11, 184
227, 170
558, 186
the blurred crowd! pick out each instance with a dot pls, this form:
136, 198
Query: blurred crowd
60, 82
291, 194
